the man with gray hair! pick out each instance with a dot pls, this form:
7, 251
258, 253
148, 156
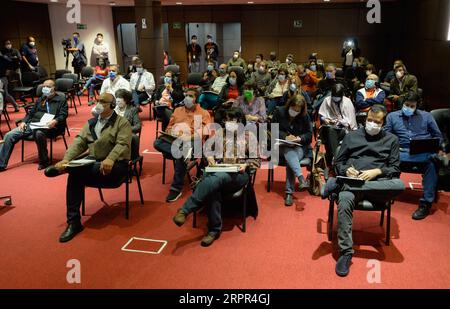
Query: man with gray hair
369, 95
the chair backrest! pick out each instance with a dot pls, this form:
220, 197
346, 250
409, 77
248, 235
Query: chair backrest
64, 84
42, 72
194, 79
237, 69
29, 79
72, 76
175, 69
39, 90
87, 72
60, 73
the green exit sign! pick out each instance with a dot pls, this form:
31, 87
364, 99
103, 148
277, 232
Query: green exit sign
177, 25
81, 26
298, 23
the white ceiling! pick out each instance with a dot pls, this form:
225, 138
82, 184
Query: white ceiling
197, 2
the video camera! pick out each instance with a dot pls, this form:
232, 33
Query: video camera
67, 43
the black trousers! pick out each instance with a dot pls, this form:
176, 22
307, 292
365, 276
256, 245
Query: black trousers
89, 176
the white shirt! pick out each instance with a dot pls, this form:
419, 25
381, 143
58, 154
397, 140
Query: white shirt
349, 58
101, 50
344, 112
219, 82
111, 87
147, 81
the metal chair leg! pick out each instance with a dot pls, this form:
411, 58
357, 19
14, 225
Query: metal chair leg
138, 180
330, 219
194, 219
65, 142
23, 149
388, 225
382, 218
51, 150
101, 195
244, 212
127, 198
83, 203
164, 171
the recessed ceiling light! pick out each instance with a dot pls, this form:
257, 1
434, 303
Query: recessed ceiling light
112, 3
178, 3
250, 2
54, 1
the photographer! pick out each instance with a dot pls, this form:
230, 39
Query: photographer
350, 52
78, 53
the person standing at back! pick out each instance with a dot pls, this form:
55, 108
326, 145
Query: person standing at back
194, 52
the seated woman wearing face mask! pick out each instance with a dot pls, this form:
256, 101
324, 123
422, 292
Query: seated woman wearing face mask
125, 108
295, 126
295, 89
338, 117
232, 89
276, 90
210, 190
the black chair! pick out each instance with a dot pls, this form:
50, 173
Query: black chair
237, 198
4, 114
127, 179
194, 79
239, 70
42, 74
65, 85
174, 68
305, 162
60, 73
30, 80
76, 86
52, 137
364, 205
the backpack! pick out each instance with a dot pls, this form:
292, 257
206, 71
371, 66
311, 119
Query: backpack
318, 170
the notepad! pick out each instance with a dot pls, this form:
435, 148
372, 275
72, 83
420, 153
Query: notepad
352, 181
80, 162
43, 123
223, 168
285, 142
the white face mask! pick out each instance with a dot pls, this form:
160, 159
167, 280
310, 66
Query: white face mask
231, 126
293, 113
140, 70
235, 56
120, 103
98, 109
293, 87
188, 102
399, 74
372, 128
32, 44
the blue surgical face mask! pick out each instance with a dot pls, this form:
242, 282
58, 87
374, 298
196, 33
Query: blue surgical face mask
293, 87
167, 80
112, 74
222, 71
408, 111
329, 75
210, 67
46, 91
232, 81
281, 78
188, 102
75, 39
370, 84
313, 68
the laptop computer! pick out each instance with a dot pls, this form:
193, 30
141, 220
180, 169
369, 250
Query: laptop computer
426, 145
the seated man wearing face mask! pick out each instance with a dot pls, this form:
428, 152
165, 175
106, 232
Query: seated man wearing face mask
289, 63
114, 82
370, 154
370, 94
410, 123
261, 78
49, 103
220, 80
338, 117
402, 85
326, 84
107, 137
142, 84
237, 61
183, 117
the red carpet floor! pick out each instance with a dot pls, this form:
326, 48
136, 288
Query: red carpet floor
283, 248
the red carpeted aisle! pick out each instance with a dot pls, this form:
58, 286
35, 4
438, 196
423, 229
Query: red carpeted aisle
283, 248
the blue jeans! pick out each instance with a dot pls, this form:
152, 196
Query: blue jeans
90, 85
293, 156
429, 176
209, 193
11, 138
180, 167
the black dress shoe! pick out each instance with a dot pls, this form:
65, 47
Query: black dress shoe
343, 265
422, 212
52, 171
70, 232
